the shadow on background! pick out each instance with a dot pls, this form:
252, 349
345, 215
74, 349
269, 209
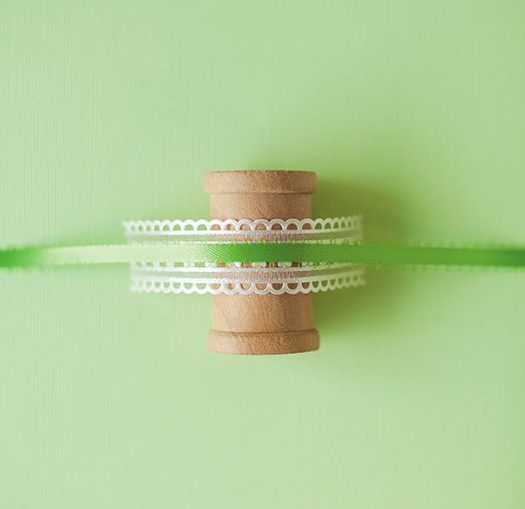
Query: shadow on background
383, 210
368, 179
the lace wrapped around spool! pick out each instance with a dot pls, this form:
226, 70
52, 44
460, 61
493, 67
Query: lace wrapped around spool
245, 278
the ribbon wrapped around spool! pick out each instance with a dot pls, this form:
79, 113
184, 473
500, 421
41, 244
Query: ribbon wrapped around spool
258, 307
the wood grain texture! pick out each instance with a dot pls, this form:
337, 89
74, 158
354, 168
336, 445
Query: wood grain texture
262, 324
261, 343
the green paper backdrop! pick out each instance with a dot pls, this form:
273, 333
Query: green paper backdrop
411, 112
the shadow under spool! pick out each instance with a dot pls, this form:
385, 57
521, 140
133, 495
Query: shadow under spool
262, 324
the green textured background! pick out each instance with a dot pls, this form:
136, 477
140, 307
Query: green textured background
412, 112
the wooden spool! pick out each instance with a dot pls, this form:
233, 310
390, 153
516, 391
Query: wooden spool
262, 324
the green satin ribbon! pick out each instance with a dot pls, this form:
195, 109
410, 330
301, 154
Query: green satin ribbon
263, 252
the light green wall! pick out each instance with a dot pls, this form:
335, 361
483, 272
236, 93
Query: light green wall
410, 111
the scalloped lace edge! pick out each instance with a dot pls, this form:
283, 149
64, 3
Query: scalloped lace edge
236, 226
312, 284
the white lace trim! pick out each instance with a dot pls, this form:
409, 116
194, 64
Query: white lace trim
315, 284
244, 278
244, 226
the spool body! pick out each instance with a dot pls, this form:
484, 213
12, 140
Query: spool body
262, 324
